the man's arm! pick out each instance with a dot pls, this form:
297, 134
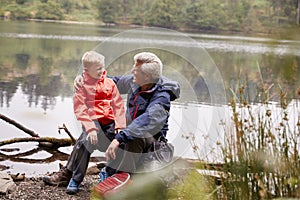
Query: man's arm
123, 83
150, 122
118, 109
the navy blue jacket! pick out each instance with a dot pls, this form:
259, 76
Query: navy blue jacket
147, 111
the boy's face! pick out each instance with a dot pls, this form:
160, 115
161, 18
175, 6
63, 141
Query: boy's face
95, 71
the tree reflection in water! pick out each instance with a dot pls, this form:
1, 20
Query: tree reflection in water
38, 91
7, 91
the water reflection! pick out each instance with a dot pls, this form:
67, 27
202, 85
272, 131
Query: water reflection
38, 66
38, 91
24, 156
216, 43
7, 90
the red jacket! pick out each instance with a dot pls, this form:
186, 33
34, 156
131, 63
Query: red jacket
99, 99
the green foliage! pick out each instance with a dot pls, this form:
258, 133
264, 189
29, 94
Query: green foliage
138, 11
193, 187
19, 12
162, 13
107, 10
49, 10
21, 2
237, 15
67, 5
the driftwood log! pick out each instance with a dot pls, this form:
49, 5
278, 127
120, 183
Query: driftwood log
43, 141
19, 126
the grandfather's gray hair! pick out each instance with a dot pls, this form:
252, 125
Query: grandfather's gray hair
150, 64
92, 57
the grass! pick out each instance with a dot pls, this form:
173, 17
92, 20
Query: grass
261, 154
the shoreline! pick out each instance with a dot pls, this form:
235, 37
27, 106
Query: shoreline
267, 32
65, 22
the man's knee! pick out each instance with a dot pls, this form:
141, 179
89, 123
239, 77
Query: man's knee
138, 145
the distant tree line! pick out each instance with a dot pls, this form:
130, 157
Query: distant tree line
239, 15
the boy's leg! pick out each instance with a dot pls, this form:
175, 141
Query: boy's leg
77, 163
80, 157
106, 135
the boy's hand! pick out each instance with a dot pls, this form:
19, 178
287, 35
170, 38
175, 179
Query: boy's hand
78, 82
92, 136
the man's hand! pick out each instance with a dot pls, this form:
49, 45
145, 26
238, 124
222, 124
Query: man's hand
92, 136
78, 82
112, 150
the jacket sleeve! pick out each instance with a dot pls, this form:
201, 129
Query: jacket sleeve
150, 122
118, 108
122, 82
81, 111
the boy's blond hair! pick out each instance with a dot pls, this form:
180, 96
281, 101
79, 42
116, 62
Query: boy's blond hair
90, 58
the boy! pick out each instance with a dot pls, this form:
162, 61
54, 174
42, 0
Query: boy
100, 109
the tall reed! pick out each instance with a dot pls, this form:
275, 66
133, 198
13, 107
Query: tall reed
261, 147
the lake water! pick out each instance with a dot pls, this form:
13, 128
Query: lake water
39, 62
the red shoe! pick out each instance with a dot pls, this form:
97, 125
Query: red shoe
112, 184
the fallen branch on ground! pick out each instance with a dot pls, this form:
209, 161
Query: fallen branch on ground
43, 141
19, 126
54, 142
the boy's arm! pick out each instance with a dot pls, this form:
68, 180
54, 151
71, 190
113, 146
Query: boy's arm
81, 111
118, 109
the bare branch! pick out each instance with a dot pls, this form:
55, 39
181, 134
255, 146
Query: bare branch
68, 132
19, 126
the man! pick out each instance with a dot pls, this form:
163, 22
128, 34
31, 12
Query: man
148, 105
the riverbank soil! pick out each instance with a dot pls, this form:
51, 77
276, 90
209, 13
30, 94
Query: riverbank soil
149, 185
34, 188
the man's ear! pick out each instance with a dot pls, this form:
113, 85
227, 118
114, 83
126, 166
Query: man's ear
148, 77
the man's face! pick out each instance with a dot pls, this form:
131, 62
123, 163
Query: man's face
139, 77
95, 71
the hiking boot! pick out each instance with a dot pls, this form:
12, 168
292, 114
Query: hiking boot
112, 184
73, 187
60, 178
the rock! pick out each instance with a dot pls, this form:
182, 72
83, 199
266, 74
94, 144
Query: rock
3, 167
7, 185
18, 177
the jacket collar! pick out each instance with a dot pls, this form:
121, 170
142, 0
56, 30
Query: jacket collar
137, 88
88, 79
